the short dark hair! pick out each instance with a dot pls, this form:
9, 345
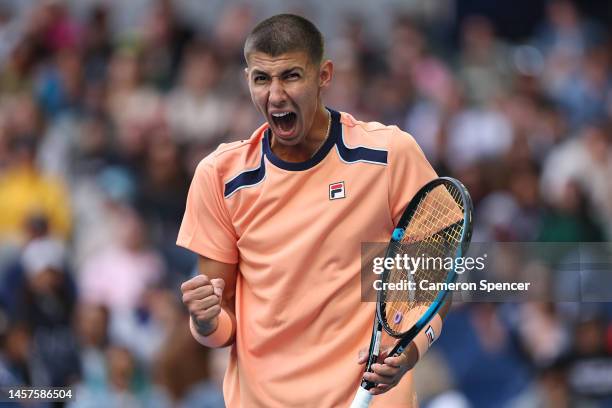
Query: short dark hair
285, 33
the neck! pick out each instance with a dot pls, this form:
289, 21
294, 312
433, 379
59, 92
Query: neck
312, 142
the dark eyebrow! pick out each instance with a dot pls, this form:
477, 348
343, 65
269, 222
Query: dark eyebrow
285, 72
258, 72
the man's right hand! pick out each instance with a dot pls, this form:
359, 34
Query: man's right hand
202, 296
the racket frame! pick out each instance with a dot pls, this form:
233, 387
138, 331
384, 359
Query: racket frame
398, 234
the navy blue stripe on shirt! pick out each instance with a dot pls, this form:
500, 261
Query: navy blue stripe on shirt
360, 153
247, 178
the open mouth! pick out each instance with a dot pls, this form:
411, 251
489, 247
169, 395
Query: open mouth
284, 121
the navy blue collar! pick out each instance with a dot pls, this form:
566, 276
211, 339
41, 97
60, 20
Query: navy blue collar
335, 132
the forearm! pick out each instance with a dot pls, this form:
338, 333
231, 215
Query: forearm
445, 307
208, 329
432, 331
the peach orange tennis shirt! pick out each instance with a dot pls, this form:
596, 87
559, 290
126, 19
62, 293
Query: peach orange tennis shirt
295, 232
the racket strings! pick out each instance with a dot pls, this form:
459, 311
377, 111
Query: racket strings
434, 234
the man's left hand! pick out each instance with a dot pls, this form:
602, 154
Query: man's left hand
388, 374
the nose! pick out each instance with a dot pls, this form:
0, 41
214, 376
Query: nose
277, 93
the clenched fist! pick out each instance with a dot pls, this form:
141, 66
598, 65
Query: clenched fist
202, 296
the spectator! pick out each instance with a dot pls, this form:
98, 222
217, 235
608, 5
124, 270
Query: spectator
46, 304
24, 190
119, 275
92, 323
196, 111
122, 386
186, 383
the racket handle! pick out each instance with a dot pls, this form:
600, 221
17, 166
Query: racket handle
362, 399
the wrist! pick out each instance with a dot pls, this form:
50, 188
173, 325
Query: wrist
412, 356
430, 333
205, 328
219, 335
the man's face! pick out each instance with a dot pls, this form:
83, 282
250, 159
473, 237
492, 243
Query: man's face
286, 90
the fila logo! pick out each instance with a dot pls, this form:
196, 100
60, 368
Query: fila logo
431, 335
336, 190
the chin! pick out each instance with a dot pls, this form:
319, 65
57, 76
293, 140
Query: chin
293, 141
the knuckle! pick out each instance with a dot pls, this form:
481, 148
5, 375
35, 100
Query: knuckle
212, 300
209, 309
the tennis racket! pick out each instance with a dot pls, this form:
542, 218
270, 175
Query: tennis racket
437, 224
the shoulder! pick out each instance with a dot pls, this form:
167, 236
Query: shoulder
230, 159
376, 135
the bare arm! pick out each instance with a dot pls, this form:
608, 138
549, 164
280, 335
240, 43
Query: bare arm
445, 307
205, 294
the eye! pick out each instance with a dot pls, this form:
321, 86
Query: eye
260, 79
292, 76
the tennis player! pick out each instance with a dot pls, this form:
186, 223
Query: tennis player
278, 220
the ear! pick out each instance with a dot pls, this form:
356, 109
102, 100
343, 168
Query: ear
325, 73
246, 74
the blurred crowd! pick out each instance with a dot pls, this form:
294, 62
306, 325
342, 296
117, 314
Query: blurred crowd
100, 134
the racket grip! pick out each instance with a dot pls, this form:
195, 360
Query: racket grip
362, 399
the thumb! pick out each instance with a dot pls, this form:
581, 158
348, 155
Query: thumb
218, 285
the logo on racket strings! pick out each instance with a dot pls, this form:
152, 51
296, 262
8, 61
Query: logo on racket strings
397, 319
336, 190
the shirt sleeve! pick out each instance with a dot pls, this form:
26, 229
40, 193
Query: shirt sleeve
408, 169
206, 228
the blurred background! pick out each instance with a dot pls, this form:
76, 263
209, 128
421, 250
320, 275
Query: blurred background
106, 107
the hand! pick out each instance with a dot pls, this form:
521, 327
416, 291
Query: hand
389, 374
202, 296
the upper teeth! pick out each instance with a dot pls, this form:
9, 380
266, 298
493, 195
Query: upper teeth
280, 115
